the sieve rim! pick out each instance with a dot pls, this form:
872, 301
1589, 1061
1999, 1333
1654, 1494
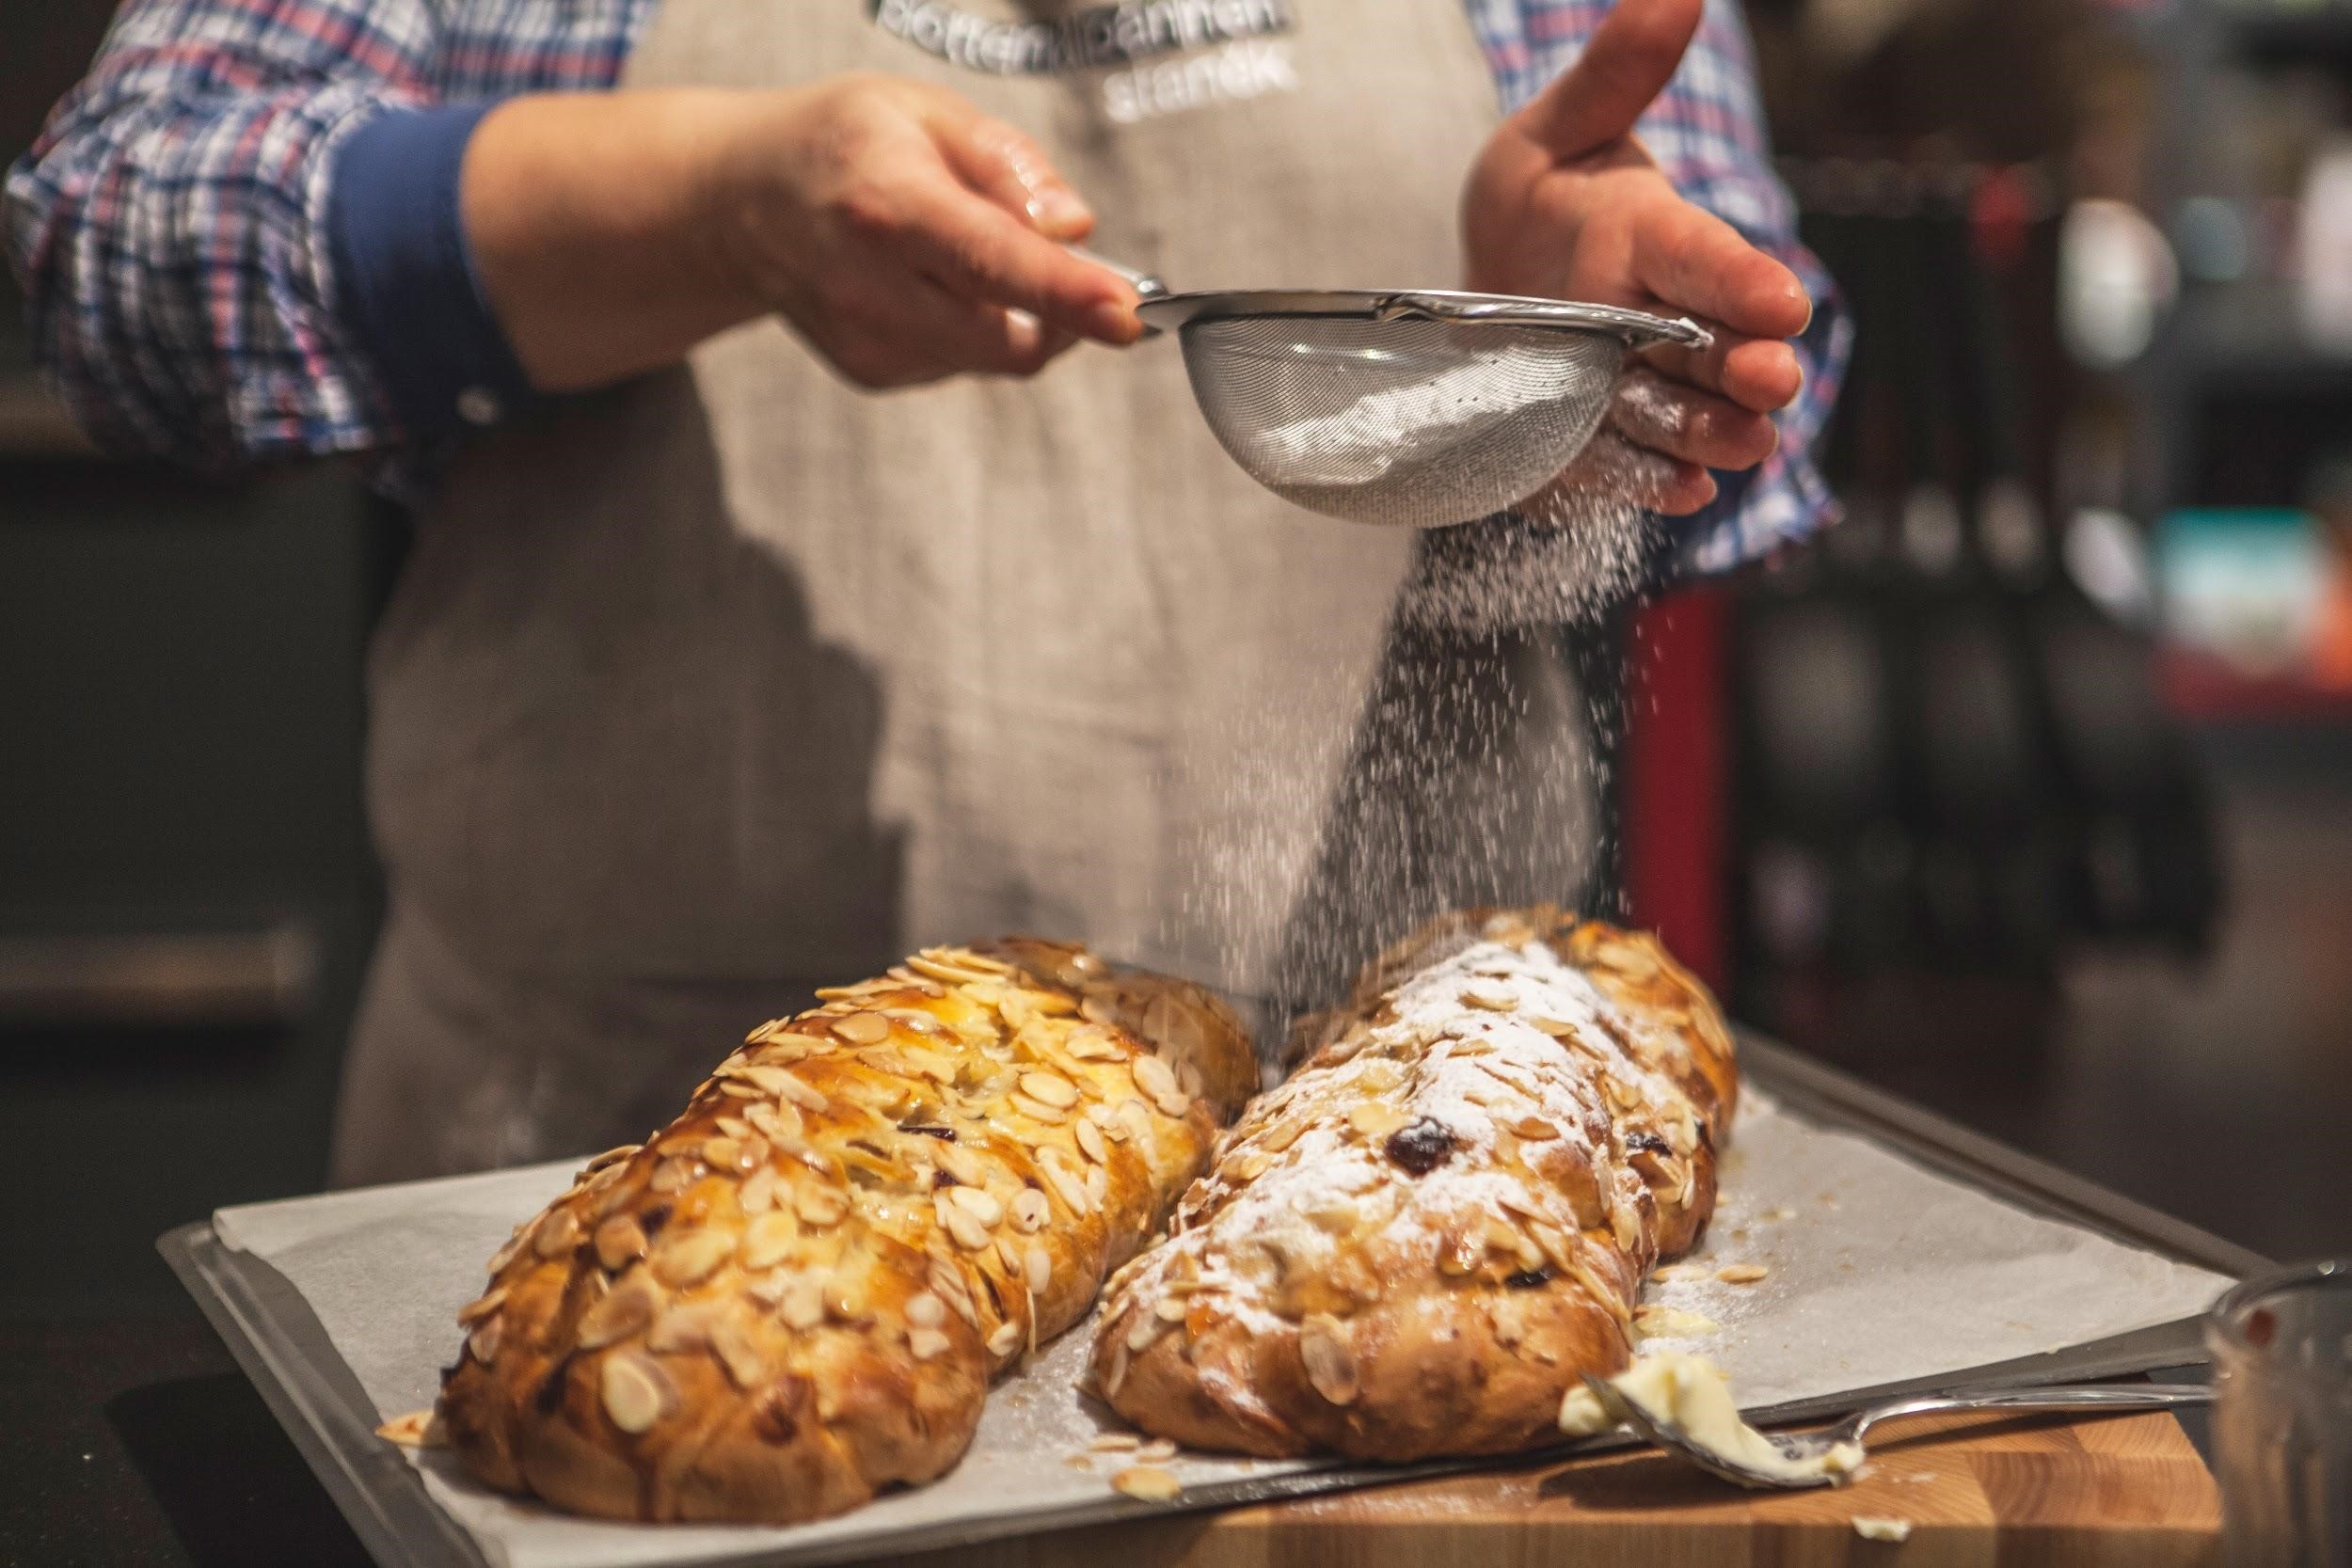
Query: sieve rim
1637, 328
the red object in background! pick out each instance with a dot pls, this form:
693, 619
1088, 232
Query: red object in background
2000, 214
1677, 793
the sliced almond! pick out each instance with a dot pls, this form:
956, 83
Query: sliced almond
1093, 1043
803, 1306
627, 1311
1148, 1483
1626, 1224
1376, 1119
1490, 995
1330, 1364
1158, 1448
620, 1240
1050, 1087
1030, 1210
1174, 1106
757, 1194
977, 1203
682, 1327
862, 1028
737, 1351
1170, 1309
768, 1240
1741, 1273
674, 1175
1066, 1185
690, 1257
1037, 1266
482, 1305
557, 1234
803, 1095
819, 1206
1037, 1110
1090, 1143
1115, 1442
1153, 1076
1534, 1129
926, 1344
1143, 1329
483, 1343
970, 1234
961, 1163
1136, 1116
419, 1428
1006, 1339
926, 1310
948, 973
637, 1392
780, 1123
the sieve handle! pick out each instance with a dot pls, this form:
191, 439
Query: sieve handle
1146, 285
1505, 310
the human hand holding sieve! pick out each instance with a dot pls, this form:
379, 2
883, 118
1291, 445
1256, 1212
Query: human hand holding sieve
1566, 202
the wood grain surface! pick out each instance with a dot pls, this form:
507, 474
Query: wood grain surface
2119, 1492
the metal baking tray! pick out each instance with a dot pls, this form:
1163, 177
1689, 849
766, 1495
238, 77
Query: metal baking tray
273, 1336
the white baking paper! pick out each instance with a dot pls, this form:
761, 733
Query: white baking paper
1878, 1271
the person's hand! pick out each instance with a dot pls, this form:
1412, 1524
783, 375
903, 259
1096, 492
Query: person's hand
903, 233
1564, 203
907, 236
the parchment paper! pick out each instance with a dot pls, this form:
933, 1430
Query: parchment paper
1878, 1271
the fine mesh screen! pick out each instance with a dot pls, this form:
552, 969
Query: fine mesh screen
1410, 422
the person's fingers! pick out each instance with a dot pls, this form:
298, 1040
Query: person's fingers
1680, 420
976, 250
890, 326
1696, 262
1618, 469
1008, 168
1758, 373
1631, 57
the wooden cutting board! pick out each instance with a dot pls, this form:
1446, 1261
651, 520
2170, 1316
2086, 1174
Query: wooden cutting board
2118, 1492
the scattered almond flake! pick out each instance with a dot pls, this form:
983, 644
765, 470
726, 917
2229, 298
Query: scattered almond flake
1673, 1271
1078, 1461
1741, 1273
1115, 1442
1489, 994
1872, 1527
1658, 1320
1148, 1482
419, 1428
1156, 1450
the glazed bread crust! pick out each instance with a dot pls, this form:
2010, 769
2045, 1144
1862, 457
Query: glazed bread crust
797, 1292
1443, 1219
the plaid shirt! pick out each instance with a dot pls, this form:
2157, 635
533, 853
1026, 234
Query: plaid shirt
170, 222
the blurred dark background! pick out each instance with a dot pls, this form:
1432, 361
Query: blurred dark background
2024, 792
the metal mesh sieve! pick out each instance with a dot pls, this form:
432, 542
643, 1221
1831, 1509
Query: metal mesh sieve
1418, 409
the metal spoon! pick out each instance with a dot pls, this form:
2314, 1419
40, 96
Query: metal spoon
1811, 1448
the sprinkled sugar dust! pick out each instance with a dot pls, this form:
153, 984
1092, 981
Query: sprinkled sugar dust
1476, 771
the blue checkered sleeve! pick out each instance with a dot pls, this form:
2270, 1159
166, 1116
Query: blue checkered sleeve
1707, 131
170, 224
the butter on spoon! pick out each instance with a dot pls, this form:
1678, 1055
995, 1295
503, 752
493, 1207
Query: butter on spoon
1682, 1403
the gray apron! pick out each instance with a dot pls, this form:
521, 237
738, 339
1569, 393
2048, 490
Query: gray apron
734, 680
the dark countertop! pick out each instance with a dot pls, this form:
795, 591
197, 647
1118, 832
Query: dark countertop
135, 1441
138, 1442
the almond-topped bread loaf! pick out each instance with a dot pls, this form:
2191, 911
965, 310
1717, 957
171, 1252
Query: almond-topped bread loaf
796, 1294
1423, 1239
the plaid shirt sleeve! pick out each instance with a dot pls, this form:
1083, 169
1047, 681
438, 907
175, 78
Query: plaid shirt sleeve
170, 225
1707, 131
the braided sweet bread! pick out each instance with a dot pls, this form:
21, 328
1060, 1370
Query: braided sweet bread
796, 1294
1419, 1243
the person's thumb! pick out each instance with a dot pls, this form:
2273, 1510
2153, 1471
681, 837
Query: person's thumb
1631, 58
